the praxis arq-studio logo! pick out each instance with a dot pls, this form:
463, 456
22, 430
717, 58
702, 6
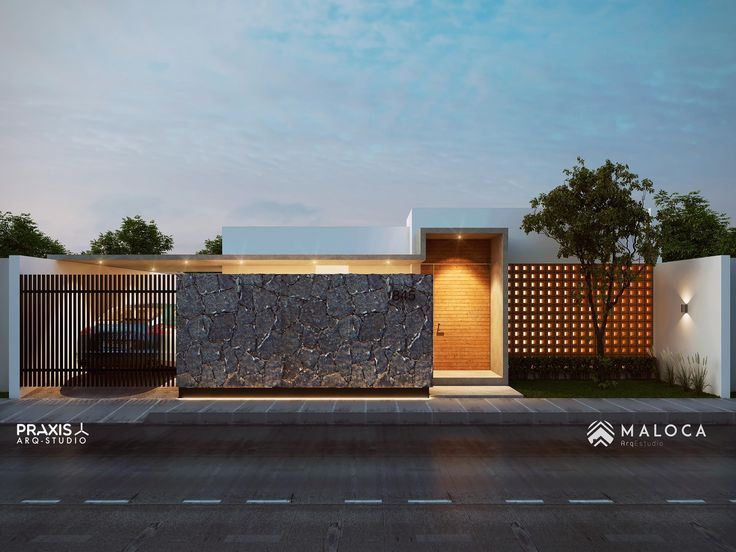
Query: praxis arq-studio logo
50, 434
602, 433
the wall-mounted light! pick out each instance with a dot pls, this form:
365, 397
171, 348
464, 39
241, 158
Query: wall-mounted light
459, 236
683, 308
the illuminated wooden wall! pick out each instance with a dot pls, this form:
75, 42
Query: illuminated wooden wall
544, 318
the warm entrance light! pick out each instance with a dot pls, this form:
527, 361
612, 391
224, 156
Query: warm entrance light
459, 236
683, 308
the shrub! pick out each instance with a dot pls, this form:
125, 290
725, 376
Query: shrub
698, 367
617, 367
682, 377
668, 364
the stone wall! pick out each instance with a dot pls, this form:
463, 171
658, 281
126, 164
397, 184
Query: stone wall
311, 330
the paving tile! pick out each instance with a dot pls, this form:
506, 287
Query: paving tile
318, 406
131, 411
477, 405
382, 412
316, 412
448, 411
510, 405
98, 410
541, 405
30, 413
350, 412
62, 411
446, 405
415, 413
603, 405
284, 411
715, 405
572, 406
254, 405
678, 405
222, 406
649, 405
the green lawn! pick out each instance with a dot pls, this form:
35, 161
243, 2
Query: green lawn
586, 388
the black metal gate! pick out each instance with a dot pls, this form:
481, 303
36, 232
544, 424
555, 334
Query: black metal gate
82, 330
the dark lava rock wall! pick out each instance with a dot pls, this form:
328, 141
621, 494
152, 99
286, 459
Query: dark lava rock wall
306, 330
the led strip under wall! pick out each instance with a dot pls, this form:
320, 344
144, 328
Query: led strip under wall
545, 319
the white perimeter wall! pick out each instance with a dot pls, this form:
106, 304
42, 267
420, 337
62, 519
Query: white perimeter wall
705, 285
4, 327
733, 324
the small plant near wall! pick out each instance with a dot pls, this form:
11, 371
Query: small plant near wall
690, 373
668, 362
682, 377
698, 368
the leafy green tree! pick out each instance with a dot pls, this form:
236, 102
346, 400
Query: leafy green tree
690, 228
19, 235
596, 217
212, 247
134, 237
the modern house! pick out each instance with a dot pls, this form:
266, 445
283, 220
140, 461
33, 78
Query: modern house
448, 295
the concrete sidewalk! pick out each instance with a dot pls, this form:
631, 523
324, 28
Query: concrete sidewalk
433, 411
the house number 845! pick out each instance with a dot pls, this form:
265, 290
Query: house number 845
403, 294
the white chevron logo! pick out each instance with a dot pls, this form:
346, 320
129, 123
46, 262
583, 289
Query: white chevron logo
600, 432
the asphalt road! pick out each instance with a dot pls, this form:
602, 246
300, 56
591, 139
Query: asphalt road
365, 488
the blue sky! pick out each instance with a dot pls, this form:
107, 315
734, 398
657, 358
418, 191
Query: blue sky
203, 114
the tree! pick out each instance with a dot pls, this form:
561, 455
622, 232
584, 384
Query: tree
212, 247
690, 228
134, 237
595, 217
19, 235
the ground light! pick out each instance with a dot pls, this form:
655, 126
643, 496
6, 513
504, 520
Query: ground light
356, 398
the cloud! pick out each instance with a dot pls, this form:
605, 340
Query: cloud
273, 213
311, 112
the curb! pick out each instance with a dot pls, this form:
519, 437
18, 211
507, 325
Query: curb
436, 418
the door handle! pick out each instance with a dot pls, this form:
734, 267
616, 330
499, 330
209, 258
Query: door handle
438, 330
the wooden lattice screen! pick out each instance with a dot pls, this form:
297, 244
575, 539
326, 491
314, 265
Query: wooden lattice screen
544, 317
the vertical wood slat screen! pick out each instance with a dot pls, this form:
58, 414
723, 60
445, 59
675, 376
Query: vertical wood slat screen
545, 319
59, 317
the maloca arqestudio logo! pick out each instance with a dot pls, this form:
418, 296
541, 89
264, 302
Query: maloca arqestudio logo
600, 432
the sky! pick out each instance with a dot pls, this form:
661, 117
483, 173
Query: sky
204, 114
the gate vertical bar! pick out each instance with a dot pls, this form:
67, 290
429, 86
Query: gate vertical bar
34, 332
48, 376
63, 333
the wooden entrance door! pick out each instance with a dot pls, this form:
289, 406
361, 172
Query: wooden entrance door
462, 302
